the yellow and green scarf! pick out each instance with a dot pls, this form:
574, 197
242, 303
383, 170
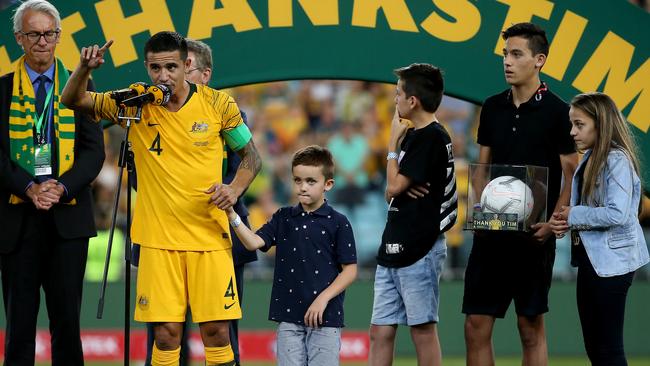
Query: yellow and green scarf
22, 116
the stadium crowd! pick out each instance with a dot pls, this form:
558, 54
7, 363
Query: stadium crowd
351, 118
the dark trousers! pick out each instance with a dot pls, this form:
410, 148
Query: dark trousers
42, 259
601, 306
185, 350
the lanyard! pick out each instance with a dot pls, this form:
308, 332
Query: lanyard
39, 120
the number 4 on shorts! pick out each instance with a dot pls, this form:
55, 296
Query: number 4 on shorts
230, 291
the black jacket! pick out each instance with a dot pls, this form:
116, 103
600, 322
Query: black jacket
72, 221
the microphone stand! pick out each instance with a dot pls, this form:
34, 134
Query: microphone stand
125, 160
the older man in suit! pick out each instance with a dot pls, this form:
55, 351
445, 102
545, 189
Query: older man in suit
48, 158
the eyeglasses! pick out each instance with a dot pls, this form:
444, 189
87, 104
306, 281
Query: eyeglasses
50, 36
189, 71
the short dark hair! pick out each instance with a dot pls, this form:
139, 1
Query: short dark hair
315, 155
166, 41
536, 36
423, 81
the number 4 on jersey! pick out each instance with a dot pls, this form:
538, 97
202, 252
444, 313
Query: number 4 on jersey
155, 145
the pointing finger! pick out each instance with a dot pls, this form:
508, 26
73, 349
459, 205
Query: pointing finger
106, 46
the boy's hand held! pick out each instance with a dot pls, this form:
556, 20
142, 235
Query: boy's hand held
230, 212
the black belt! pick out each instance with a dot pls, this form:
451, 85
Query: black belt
575, 238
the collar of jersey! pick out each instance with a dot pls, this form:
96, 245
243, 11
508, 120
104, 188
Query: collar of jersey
323, 210
189, 95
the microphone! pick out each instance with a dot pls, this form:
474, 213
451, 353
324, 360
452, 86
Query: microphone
133, 90
155, 94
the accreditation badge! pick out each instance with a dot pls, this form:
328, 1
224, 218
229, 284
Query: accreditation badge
43, 160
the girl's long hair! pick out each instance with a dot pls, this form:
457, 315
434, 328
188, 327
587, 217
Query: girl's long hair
612, 133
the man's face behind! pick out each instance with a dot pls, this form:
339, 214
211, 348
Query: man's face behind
196, 73
166, 68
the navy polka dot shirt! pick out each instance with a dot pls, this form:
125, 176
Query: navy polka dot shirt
310, 248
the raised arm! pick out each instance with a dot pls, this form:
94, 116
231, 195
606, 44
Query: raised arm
396, 183
74, 94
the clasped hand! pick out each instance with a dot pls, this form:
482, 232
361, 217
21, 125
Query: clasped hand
542, 231
560, 221
45, 195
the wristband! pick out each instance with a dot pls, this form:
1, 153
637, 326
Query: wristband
392, 155
236, 222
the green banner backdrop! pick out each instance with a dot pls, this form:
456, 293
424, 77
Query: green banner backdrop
595, 45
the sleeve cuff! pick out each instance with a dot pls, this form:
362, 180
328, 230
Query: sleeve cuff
64, 196
65, 189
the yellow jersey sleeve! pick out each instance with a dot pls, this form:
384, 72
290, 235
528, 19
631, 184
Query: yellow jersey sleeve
229, 111
224, 106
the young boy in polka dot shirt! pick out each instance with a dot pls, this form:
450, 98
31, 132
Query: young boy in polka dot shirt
315, 261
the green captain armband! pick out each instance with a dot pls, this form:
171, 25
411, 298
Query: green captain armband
237, 137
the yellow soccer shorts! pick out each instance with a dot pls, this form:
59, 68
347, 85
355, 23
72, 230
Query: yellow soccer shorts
169, 281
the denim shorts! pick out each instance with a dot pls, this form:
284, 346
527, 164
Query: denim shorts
298, 345
410, 295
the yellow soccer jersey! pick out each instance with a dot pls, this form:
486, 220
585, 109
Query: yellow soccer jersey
178, 155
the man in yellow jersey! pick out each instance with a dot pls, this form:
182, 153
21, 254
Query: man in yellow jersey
185, 257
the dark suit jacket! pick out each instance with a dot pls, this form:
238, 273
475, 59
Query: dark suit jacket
72, 221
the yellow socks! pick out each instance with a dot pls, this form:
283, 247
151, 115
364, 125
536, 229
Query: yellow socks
215, 356
165, 358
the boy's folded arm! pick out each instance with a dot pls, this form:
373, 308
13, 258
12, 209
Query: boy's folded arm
396, 183
400, 184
